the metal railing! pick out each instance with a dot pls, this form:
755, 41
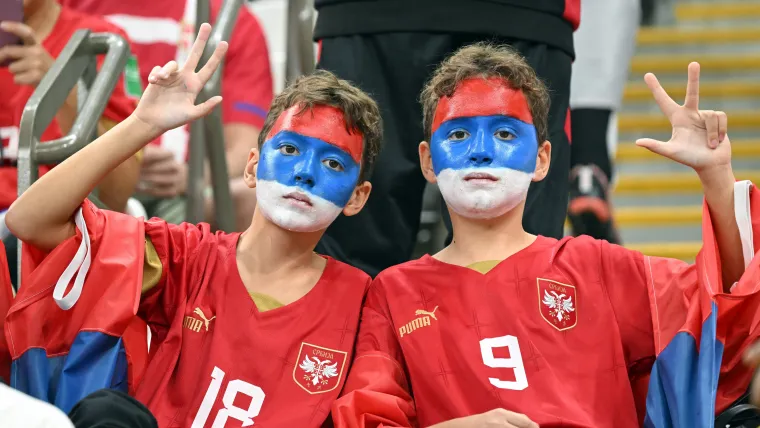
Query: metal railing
207, 134
299, 58
76, 64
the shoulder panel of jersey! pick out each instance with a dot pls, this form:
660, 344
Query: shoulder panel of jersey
350, 276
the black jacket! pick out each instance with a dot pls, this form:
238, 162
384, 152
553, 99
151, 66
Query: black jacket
545, 21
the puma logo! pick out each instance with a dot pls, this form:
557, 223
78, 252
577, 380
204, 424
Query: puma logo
422, 320
195, 324
206, 321
424, 312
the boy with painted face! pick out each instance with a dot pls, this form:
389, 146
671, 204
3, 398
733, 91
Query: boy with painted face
247, 328
504, 328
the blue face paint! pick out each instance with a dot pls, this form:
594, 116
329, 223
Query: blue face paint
313, 165
484, 141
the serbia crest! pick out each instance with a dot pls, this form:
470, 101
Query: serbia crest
318, 369
557, 304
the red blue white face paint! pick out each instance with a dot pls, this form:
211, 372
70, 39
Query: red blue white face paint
308, 168
483, 148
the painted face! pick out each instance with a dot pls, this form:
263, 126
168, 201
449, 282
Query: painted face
483, 148
308, 168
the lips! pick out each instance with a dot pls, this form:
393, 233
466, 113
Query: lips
480, 176
299, 197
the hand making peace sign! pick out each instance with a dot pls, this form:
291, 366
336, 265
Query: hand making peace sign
169, 99
699, 137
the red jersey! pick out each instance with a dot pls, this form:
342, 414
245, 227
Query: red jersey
14, 97
6, 299
221, 362
565, 332
164, 31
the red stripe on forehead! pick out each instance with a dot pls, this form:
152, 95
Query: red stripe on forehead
323, 122
482, 97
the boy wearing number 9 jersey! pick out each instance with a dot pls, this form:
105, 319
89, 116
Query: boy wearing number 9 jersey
252, 327
506, 329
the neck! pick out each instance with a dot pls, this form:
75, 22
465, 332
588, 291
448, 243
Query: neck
486, 239
42, 17
266, 249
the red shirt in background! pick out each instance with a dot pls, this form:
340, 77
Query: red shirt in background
14, 98
164, 31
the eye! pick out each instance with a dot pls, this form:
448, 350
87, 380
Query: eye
288, 150
458, 135
333, 164
504, 135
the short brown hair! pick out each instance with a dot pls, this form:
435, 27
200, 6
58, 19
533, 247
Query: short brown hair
360, 112
487, 60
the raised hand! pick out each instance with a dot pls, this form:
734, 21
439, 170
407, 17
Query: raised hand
169, 99
699, 138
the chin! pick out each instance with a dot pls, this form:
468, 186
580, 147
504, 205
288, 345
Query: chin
289, 216
484, 200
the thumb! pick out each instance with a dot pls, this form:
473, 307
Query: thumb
656, 146
205, 108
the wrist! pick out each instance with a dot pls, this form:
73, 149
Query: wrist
146, 131
716, 177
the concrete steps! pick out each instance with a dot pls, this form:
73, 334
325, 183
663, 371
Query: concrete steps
657, 204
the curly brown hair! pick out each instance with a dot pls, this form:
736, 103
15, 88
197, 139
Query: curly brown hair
360, 112
487, 60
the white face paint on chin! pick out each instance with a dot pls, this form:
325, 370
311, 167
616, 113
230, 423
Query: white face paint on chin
290, 213
483, 198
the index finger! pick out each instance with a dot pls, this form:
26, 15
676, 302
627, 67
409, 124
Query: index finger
663, 100
692, 87
23, 31
198, 46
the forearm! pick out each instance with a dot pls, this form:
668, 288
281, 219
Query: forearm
718, 186
118, 186
42, 215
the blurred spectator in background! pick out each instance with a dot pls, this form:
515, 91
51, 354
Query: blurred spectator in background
46, 29
389, 48
604, 47
164, 31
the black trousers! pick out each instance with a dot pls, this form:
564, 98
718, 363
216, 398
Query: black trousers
393, 68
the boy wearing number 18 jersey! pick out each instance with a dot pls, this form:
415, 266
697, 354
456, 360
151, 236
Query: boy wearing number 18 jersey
506, 329
250, 328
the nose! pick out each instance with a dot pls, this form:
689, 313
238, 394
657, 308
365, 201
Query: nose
304, 177
304, 172
481, 152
